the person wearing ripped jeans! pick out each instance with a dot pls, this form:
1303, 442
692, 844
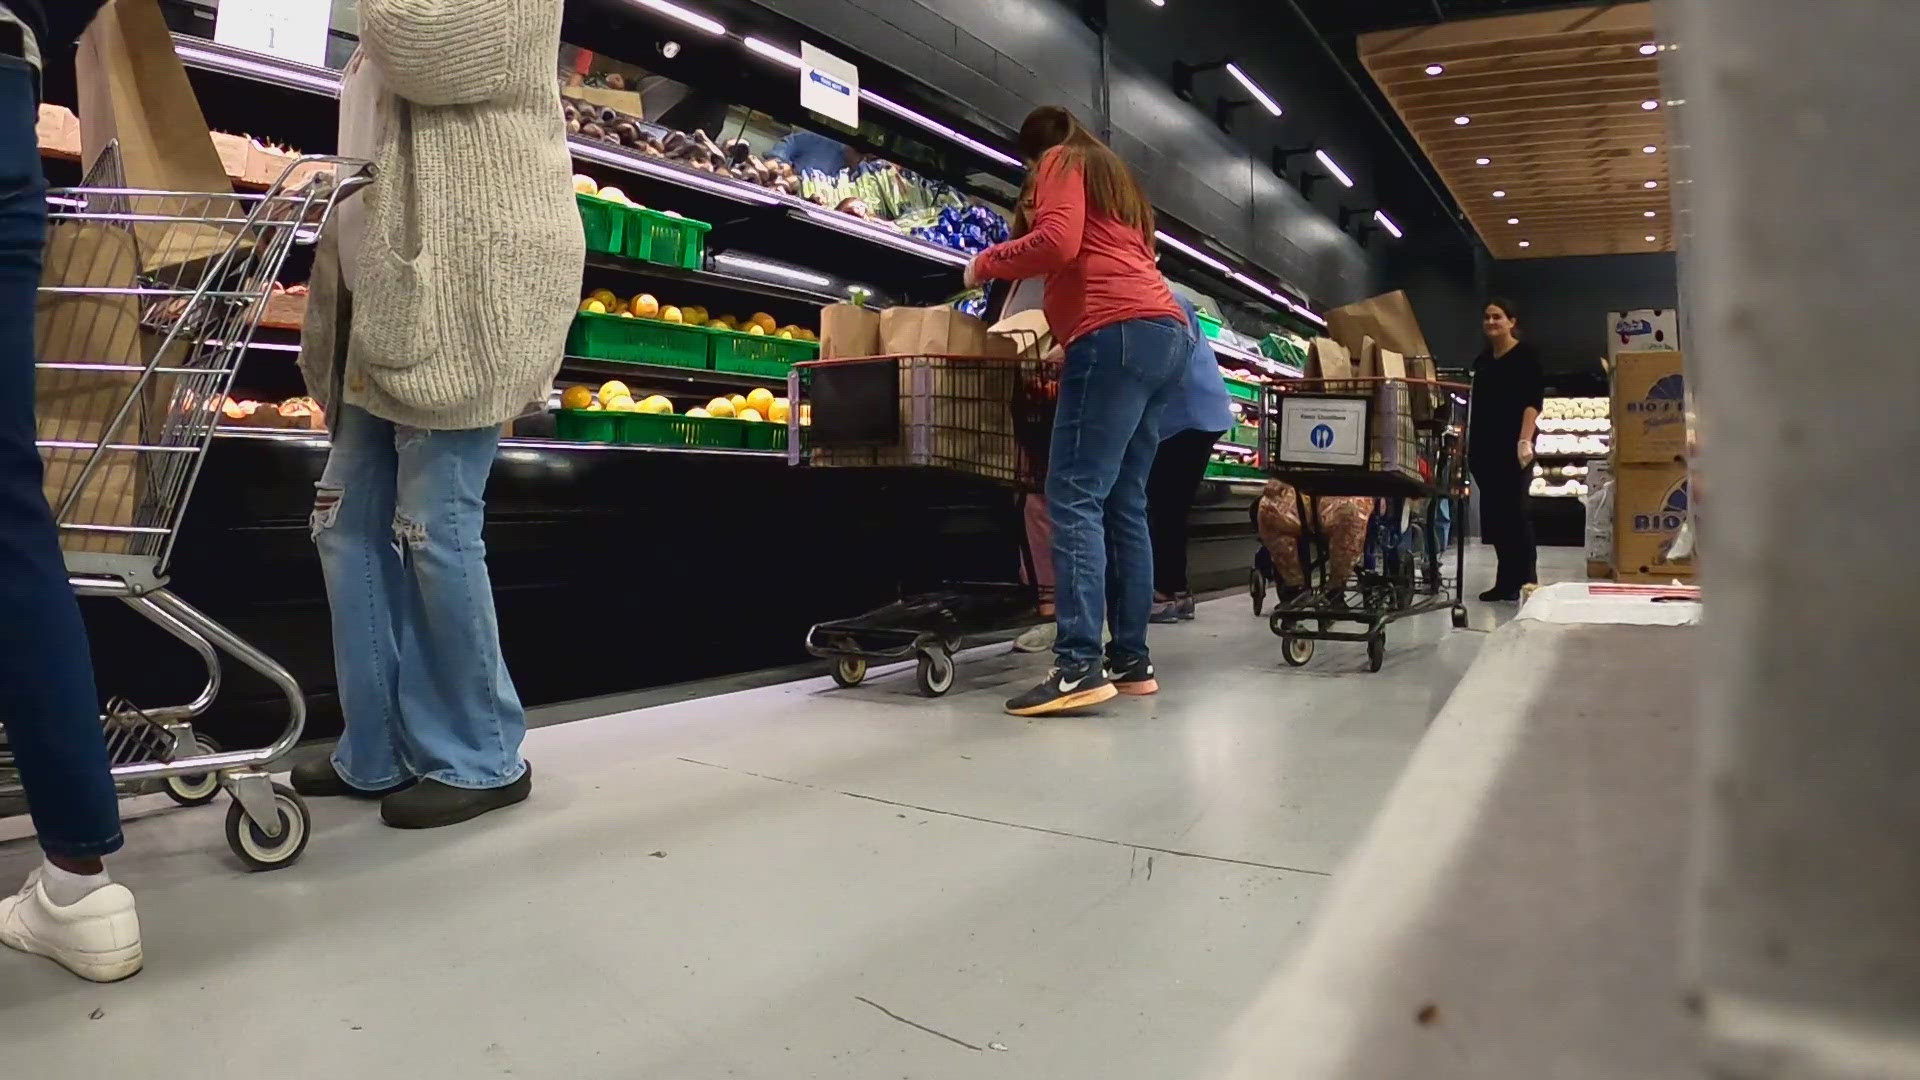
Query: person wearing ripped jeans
439, 312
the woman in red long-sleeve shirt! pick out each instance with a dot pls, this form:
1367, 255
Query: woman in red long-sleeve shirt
1126, 345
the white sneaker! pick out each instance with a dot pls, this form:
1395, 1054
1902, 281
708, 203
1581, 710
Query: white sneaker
97, 938
1037, 639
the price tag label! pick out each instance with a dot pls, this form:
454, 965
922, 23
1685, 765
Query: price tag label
290, 29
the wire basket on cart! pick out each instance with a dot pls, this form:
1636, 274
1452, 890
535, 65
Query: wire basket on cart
986, 416
1400, 444
148, 301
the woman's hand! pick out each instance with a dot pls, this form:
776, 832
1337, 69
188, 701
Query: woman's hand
1526, 452
973, 273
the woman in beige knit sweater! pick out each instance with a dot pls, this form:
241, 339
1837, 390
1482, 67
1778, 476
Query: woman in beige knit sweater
439, 311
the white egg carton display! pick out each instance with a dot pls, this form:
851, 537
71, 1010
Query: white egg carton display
1561, 445
1561, 472
1575, 416
1545, 489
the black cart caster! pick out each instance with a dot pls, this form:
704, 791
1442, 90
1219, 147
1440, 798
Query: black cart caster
1377, 651
261, 851
850, 671
935, 672
1257, 588
195, 789
1459, 616
1296, 651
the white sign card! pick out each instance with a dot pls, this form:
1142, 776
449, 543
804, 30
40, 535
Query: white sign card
829, 85
1323, 431
290, 29
1645, 330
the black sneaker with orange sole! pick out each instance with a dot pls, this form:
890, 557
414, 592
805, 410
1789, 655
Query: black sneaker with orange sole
1134, 678
1064, 691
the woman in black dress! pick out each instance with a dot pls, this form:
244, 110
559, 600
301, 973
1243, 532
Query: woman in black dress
1507, 388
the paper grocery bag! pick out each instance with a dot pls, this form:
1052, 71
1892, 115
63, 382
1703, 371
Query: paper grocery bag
76, 406
1392, 364
934, 331
1387, 319
848, 330
134, 91
1330, 360
1025, 335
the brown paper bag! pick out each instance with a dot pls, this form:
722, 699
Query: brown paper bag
1329, 360
848, 330
76, 406
1387, 319
1392, 364
933, 331
133, 90
1025, 334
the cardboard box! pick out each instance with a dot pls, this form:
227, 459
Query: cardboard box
1644, 330
1649, 408
1649, 504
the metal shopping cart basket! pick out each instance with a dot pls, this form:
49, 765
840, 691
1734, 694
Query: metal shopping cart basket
1401, 443
148, 301
988, 416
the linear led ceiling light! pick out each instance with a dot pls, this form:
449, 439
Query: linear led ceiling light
775, 269
1193, 253
1387, 224
1253, 88
939, 128
692, 18
1339, 173
773, 52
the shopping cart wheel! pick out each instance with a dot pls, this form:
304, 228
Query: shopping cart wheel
1281, 628
935, 673
1257, 588
260, 851
195, 789
1459, 616
850, 671
1296, 650
1377, 651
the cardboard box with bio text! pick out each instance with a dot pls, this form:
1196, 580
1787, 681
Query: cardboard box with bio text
1649, 504
1649, 408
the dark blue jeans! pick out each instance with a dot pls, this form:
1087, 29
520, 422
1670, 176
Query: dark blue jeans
47, 701
1116, 383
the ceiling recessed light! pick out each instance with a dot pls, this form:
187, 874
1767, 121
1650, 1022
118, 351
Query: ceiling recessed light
1650, 213
1435, 69
1463, 121
1653, 239
1649, 149
1526, 243
1483, 161
1499, 194
1651, 184
1513, 221
1649, 49
1649, 104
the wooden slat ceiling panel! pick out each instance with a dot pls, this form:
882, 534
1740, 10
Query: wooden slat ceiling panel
1556, 107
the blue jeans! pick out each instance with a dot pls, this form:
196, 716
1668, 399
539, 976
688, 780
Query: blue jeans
47, 699
416, 647
1116, 383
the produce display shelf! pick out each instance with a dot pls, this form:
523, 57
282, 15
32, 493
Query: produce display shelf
665, 239
604, 222
584, 367
1243, 391
1243, 435
715, 279
656, 429
1227, 470
759, 354
645, 341
318, 441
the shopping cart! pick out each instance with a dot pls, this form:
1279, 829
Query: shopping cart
1400, 442
988, 416
148, 301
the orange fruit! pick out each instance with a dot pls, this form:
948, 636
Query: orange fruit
779, 412
760, 400
672, 314
756, 331
739, 403
606, 298
611, 389
765, 322
593, 306
720, 407
751, 416
644, 306
576, 397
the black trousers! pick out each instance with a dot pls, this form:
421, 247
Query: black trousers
1177, 471
1505, 524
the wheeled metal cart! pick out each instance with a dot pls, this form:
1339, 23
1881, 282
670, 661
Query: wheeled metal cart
1400, 443
147, 304
990, 416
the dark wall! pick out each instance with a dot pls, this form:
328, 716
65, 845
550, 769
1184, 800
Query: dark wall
1564, 302
995, 60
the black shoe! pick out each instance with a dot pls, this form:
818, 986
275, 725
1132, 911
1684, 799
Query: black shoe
319, 780
1497, 595
1063, 691
431, 804
1132, 677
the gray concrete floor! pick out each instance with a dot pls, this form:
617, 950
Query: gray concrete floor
788, 881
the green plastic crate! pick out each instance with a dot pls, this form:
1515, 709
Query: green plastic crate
1209, 325
604, 222
765, 435
1243, 391
655, 237
666, 429
1228, 470
637, 341
1243, 435
587, 425
759, 354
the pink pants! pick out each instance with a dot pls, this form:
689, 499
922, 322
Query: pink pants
1040, 540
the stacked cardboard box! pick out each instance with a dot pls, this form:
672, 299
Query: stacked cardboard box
1651, 489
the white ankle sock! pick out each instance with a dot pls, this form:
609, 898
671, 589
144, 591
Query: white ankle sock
66, 889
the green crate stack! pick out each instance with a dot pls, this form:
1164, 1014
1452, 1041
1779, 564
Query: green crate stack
1243, 391
1229, 470
668, 429
587, 425
1209, 325
660, 238
604, 222
765, 436
1243, 435
759, 354
637, 341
